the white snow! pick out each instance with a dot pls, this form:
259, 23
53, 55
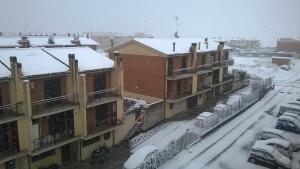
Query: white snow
43, 41
137, 157
277, 141
88, 59
182, 45
34, 61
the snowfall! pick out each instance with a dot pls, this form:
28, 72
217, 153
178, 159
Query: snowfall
229, 146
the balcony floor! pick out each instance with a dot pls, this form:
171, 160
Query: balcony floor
53, 110
98, 101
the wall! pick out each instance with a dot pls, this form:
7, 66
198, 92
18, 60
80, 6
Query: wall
121, 131
177, 108
289, 46
281, 61
144, 75
154, 114
56, 158
4, 92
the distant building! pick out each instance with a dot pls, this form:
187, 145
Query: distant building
184, 73
281, 61
46, 41
288, 45
57, 105
243, 43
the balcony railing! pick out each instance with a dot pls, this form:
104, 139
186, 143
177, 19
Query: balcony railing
203, 67
227, 62
13, 149
179, 94
227, 77
102, 125
176, 72
7, 112
101, 95
52, 139
52, 104
204, 87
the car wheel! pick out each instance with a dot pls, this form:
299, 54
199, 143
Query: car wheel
252, 160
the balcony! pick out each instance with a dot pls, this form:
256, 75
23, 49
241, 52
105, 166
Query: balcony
51, 106
183, 71
228, 77
98, 126
7, 114
203, 87
50, 140
102, 96
179, 94
228, 62
203, 68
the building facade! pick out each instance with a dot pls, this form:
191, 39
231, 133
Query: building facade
58, 105
288, 45
184, 73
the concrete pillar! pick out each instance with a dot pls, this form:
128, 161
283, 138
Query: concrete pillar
194, 83
82, 98
16, 85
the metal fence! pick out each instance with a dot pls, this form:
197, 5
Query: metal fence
204, 126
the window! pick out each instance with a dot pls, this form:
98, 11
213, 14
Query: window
90, 141
171, 105
107, 136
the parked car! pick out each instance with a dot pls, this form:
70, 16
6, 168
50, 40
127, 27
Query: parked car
292, 114
139, 156
288, 123
288, 107
281, 145
268, 156
268, 132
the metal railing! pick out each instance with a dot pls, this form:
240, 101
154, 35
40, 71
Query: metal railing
101, 94
203, 87
228, 77
227, 62
8, 110
176, 72
203, 67
52, 139
102, 125
44, 105
13, 150
179, 94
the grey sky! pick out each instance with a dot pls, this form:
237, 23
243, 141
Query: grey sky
263, 19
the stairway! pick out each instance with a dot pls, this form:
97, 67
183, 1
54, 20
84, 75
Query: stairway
135, 129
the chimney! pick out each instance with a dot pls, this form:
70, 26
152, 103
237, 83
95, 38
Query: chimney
20, 34
117, 59
174, 46
206, 43
111, 42
88, 36
54, 34
76, 40
24, 42
51, 40
69, 34
199, 45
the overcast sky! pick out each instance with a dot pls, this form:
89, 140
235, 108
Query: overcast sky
266, 20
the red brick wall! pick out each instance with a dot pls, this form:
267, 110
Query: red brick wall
279, 61
288, 46
4, 92
144, 75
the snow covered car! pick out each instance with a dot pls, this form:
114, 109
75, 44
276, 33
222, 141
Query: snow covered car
268, 156
206, 120
268, 132
288, 107
139, 156
288, 123
281, 145
222, 110
291, 114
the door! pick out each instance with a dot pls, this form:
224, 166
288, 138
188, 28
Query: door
101, 115
52, 89
66, 154
192, 102
184, 64
99, 82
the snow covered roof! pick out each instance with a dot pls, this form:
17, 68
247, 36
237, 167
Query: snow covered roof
264, 147
6, 41
88, 59
138, 156
4, 71
34, 61
182, 45
204, 115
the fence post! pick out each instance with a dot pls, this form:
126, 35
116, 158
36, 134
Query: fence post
186, 138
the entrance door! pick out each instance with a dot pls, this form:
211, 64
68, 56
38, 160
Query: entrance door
66, 154
192, 102
101, 114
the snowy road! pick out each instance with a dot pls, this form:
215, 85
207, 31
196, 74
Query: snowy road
211, 148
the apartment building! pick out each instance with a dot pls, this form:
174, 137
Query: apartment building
48, 41
58, 105
184, 73
288, 45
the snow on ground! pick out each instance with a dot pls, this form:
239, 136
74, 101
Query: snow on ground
262, 66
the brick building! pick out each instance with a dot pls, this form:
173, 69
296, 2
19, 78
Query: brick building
289, 45
57, 105
184, 73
